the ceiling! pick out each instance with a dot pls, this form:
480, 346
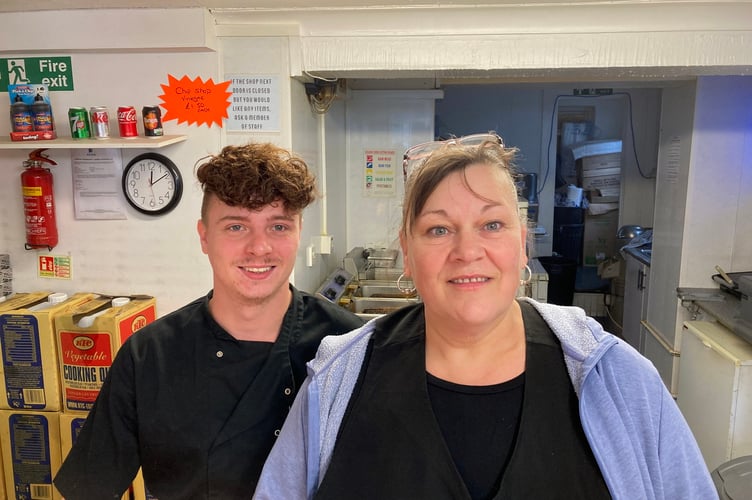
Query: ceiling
32, 5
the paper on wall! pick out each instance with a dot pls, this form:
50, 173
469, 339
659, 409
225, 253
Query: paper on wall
97, 175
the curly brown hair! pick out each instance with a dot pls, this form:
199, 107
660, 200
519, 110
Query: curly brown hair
254, 175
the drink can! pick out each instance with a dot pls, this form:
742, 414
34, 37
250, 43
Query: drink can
152, 121
100, 122
79, 123
127, 121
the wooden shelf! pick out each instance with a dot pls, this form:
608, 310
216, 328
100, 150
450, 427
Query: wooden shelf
112, 142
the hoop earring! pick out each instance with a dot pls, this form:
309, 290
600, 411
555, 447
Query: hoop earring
405, 290
529, 276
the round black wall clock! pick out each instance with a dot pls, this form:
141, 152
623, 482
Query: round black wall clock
152, 184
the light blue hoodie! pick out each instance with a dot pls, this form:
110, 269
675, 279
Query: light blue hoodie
641, 441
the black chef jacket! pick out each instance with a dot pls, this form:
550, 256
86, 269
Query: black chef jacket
180, 402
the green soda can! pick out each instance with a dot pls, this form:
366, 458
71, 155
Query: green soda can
78, 118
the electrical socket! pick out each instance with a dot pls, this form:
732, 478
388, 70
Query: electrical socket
323, 244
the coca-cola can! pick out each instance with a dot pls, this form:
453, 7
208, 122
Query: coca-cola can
127, 121
100, 122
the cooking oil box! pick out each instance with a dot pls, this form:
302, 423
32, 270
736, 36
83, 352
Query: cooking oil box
89, 337
30, 442
29, 371
70, 427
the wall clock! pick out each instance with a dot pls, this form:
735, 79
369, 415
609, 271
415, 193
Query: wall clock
152, 184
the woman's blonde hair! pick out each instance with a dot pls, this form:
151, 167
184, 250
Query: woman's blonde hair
423, 180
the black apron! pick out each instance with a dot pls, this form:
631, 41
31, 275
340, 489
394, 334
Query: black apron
390, 445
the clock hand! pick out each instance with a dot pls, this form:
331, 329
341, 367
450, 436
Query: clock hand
151, 177
165, 175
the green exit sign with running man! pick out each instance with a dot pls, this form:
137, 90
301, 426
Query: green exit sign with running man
55, 72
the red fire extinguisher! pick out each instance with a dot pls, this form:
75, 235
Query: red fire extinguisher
39, 202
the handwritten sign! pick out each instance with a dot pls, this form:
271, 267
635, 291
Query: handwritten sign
195, 101
255, 103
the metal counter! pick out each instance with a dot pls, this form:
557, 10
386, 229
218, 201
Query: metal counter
721, 306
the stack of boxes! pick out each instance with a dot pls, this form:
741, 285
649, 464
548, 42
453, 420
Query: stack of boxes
599, 174
56, 352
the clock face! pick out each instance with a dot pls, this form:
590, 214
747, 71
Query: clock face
152, 184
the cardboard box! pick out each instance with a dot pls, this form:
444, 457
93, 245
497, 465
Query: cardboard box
30, 442
20, 299
88, 339
32, 95
29, 372
599, 241
3, 493
70, 427
611, 160
599, 147
601, 178
139, 488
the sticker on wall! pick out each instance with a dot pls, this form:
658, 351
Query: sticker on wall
54, 266
54, 72
195, 101
255, 103
379, 172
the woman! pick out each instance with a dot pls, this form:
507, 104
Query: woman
474, 393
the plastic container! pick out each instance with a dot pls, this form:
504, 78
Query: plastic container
733, 479
562, 273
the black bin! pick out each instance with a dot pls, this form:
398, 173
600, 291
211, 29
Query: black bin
562, 273
568, 241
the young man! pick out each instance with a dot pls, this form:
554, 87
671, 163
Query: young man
197, 398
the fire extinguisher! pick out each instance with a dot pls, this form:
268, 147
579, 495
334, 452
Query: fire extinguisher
39, 202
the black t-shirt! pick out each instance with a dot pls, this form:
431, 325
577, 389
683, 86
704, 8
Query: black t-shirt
479, 425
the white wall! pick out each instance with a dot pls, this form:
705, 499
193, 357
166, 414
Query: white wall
702, 195
382, 120
307, 143
299, 131
336, 189
718, 226
123, 56
154, 255
674, 158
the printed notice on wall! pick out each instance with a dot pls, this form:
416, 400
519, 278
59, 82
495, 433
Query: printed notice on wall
97, 176
254, 105
54, 266
379, 172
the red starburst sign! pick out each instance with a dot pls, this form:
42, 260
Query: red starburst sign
195, 101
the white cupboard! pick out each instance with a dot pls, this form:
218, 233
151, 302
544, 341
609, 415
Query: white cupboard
715, 390
636, 279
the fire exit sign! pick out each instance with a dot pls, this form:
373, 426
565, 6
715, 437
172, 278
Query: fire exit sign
55, 72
